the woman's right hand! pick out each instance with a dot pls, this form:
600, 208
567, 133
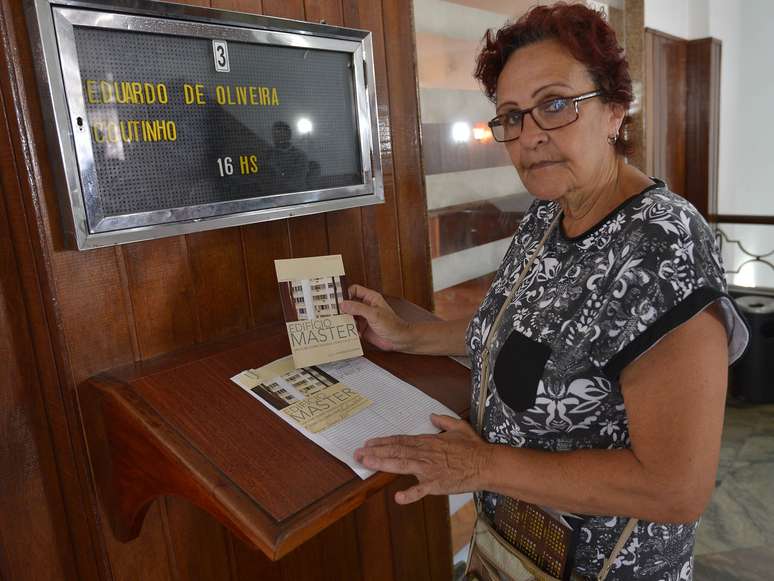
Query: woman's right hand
377, 322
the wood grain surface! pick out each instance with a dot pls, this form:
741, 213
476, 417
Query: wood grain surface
178, 425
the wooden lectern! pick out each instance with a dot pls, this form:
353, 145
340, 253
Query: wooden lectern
178, 426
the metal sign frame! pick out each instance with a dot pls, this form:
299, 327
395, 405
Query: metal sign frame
69, 137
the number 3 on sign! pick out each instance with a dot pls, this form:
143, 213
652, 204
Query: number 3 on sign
220, 53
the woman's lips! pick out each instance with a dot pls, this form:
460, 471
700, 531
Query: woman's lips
542, 164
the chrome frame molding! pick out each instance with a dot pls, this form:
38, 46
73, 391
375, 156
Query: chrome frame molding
51, 25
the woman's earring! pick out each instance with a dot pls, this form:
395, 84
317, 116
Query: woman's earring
611, 139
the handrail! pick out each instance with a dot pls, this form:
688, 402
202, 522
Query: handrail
741, 219
722, 237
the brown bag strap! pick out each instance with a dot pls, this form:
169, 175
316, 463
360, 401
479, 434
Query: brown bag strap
493, 329
625, 534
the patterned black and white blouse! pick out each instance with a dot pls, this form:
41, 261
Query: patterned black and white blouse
589, 306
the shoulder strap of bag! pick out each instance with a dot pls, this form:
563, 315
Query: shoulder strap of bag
493, 329
625, 534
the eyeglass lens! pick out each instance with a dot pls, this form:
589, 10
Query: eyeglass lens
548, 115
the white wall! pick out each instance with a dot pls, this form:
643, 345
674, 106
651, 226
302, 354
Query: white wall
725, 24
684, 18
746, 151
752, 190
746, 172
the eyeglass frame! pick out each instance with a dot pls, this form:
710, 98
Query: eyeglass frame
577, 99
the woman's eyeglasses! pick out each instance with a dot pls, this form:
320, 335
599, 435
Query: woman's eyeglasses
550, 114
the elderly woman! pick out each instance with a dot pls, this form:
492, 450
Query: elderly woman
607, 375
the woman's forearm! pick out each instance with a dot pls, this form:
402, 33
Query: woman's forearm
437, 337
594, 482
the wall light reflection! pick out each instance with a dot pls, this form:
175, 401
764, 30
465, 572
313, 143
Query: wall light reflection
304, 126
481, 132
460, 132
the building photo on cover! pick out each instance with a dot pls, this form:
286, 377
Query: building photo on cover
293, 386
311, 298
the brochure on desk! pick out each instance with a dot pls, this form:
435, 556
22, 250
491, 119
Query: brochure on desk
311, 290
342, 404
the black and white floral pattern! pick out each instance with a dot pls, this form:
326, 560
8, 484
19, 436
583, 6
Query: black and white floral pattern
599, 301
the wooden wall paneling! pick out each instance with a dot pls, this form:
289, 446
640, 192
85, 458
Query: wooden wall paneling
146, 557
713, 155
341, 553
308, 236
329, 11
409, 180
3, 564
407, 522
676, 112
263, 243
345, 237
201, 551
218, 272
683, 115
666, 107
94, 313
650, 106
306, 562
251, 565
336, 546
220, 282
250, 6
438, 537
381, 244
374, 543
29, 485
161, 295
703, 123
284, 8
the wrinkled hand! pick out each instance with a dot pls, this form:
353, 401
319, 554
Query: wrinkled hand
445, 463
377, 322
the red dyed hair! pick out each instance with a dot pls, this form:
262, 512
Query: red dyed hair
587, 37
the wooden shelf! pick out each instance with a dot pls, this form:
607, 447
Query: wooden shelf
178, 426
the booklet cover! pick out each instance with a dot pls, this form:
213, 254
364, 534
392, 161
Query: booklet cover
312, 290
311, 398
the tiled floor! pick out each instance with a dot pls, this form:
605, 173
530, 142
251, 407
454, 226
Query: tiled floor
736, 536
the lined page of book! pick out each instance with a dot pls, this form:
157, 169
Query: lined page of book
397, 408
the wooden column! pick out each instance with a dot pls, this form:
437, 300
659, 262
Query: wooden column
702, 124
683, 115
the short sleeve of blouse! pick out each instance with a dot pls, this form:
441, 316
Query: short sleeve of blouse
669, 271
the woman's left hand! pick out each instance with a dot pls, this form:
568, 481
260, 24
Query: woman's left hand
446, 463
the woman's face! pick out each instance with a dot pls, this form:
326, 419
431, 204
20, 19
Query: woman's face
576, 157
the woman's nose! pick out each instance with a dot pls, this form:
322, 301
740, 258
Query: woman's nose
531, 133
